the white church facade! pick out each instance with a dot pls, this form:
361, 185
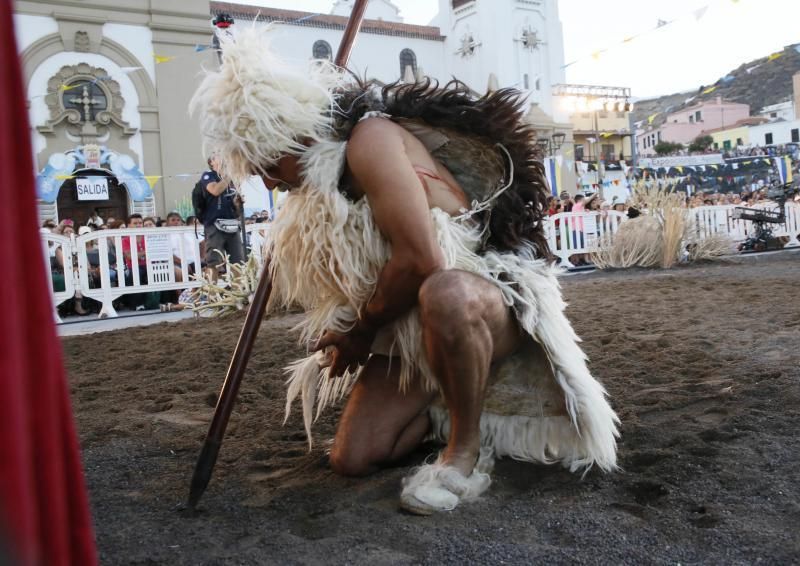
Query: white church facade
108, 83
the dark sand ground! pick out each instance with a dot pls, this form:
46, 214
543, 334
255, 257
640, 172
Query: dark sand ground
702, 364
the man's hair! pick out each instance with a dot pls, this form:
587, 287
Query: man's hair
134, 215
578, 198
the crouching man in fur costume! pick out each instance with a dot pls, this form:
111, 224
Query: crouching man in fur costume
412, 237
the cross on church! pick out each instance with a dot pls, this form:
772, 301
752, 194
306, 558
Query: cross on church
87, 102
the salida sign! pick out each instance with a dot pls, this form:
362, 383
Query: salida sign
92, 188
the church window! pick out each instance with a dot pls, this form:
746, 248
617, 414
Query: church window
86, 97
407, 59
322, 50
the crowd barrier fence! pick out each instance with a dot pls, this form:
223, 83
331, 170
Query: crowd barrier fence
94, 265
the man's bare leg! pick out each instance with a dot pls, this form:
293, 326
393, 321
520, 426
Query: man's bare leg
379, 424
466, 325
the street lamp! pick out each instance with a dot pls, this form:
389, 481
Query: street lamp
552, 144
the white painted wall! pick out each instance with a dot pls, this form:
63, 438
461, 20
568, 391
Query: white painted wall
782, 111
377, 56
498, 26
781, 132
30, 29
37, 87
136, 39
376, 10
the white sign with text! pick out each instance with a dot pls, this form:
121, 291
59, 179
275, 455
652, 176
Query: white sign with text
158, 248
92, 188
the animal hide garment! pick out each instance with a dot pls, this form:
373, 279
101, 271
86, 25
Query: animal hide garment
327, 253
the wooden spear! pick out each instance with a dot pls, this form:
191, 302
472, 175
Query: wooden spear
252, 322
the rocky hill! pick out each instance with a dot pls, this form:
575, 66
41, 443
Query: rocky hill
759, 83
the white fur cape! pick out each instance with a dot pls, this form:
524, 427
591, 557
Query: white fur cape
327, 254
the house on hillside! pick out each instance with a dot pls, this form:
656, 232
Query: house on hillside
685, 125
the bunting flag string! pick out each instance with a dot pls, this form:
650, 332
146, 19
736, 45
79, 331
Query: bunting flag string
696, 15
66, 87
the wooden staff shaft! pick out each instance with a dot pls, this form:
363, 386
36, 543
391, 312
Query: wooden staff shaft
244, 346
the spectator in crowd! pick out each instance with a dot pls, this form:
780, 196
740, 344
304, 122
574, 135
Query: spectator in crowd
137, 300
94, 219
579, 207
182, 246
148, 222
220, 220
49, 225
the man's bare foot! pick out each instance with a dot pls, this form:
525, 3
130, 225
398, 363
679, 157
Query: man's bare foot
442, 487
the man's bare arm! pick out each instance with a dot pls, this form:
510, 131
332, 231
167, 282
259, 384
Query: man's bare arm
218, 187
381, 168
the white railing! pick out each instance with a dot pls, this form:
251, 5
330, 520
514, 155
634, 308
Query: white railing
164, 266
55, 246
709, 220
573, 233
168, 252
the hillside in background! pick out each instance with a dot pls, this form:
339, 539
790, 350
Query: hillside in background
759, 83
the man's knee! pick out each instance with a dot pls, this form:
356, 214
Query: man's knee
347, 460
450, 300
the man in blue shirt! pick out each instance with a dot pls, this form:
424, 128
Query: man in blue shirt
220, 219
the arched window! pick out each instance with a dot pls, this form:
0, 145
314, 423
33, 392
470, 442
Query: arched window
322, 50
407, 59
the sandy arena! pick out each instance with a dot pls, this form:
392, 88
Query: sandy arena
702, 364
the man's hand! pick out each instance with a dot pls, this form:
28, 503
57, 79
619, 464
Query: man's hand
349, 350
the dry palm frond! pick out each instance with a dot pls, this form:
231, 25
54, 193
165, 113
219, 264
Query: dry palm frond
658, 237
231, 293
709, 248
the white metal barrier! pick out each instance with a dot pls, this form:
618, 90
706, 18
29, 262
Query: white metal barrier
572, 233
168, 253
709, 220
160, 259
58, 256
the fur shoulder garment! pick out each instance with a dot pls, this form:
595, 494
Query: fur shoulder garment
327, 254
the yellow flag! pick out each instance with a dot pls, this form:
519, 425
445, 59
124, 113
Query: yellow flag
606, 134
152, 179
65, 87
680, 169
775, 56
651, 117
162, 58
596, 54
64, 177
709, 90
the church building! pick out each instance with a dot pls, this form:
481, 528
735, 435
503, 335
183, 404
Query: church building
109, 82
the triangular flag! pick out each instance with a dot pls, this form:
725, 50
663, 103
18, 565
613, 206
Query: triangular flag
152, 179
680, 169
162, 58
606, 134
200, 47
774, 56
651, 117
700, 12
709, 90
64, 177
596, 54
753, 68
65, 87
127, 70
630, 38
661, 23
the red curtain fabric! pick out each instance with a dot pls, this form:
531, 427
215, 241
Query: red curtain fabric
44, 511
